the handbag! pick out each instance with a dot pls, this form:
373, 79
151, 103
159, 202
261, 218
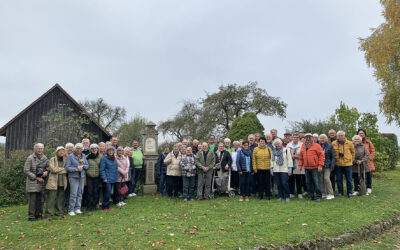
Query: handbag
123, 190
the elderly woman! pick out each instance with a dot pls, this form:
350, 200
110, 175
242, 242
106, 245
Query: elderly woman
182, 149
281, 168
261, 166
235, 172
174, 173
329, 167
56, 184
244, 164
371, 149
227, 145
108, 175
299, 174
223, 160
188, 174
102, 149
360, 165
36, 170
76, 166
93, 178
123, 169
69, 147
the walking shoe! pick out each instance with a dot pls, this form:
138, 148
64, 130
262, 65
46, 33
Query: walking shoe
105, 210
330, 197
132, 195
185, 199
300, 196
355, 193
287, 199
279, 199
305, 193
241, 198
350, 195
191, 199
324, 196
291, 196
318, 200
119, 204
71, 213
340, 195
369, 190
247, 198
78, 211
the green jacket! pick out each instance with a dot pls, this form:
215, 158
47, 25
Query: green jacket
137, 156
32, 185
94, 167
209, 163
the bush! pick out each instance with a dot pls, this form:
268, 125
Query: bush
392, 150
244, 125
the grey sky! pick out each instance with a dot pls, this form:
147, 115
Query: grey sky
148, 56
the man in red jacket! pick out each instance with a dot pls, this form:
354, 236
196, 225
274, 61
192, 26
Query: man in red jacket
312, 158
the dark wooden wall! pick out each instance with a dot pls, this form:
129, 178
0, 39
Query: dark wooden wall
30, 128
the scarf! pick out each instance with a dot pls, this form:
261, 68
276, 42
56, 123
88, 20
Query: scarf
92, 156
278, 156
60, 158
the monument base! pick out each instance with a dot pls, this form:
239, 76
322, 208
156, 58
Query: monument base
149, 189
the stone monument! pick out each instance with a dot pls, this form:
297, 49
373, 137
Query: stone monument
150, 152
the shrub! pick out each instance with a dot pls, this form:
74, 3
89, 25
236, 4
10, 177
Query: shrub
244, 125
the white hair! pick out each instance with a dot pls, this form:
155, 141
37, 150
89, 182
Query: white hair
341, 132
357, 136
250, 135
38, 145
127, 148
279, 141
324, 136
85, 139
94, 145
78, 145
236, 143
315, 135
102, 143
189, 148
69, 145
227, 140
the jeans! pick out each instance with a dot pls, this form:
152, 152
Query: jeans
234, 179
281, 180
204, 181
333, 179
347, 171
292, 183
34, 205
301, 185
253, 184
325, 180
173, 185
75, 196
55, 200
134, 179
188, 187
93, 194
313, 185
162, 183
368, 179
107, 187
264, 183
245, 183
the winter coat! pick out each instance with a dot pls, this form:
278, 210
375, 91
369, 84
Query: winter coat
32, 162
241, 161
209, 163
347, 149
329, 153
123, 168
371, 149
108, 169
173, 167
313, 157
362, 154
287, 163
55, 170
295, 150
162, 167
73, 163
261, 158
131, 166
223, 160
188, 163
94, 167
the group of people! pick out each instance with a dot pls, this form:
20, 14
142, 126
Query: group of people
76, 176
298, 163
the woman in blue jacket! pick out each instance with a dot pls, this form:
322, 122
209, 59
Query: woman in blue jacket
76, 167
245, 169
108, 175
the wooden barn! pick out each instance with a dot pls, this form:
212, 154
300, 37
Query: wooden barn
53, 119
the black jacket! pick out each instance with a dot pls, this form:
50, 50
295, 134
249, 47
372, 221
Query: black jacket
161, 166
224, 160
329, 156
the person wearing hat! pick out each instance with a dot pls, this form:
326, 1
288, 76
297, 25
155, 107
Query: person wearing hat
312, 158
56, 184
108, 176
93, 178
76, 167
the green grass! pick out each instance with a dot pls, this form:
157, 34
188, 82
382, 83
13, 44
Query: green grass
389, 240
220, 223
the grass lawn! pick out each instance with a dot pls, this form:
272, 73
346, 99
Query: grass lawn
148, 222
389, 240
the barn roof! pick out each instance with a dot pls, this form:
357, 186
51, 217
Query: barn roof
80, 107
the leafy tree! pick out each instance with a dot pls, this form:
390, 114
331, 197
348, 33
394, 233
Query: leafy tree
244, 125
65, 125
382, 51
233, 100
110, 117
131, 130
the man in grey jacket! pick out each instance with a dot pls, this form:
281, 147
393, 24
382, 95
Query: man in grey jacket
205, 162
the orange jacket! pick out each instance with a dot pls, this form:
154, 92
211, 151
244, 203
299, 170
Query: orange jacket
371, 149
312, 158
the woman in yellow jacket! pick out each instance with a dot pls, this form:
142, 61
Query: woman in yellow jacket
261, 166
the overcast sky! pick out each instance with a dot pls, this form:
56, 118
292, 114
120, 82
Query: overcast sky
149, 56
